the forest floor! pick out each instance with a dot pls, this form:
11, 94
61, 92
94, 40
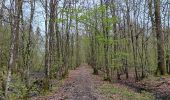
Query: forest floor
81, 84
159, 86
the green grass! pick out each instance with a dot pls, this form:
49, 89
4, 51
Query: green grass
125, 93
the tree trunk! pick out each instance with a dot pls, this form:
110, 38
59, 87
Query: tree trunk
46, 47
159, 35
14, 42
29, 46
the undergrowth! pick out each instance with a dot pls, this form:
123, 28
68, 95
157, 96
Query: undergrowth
125, 93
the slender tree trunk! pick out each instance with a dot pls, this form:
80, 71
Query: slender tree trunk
14, 41
2, 12
29, 45
77, 38
46, 47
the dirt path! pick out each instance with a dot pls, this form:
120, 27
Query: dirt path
78, 86
82, 85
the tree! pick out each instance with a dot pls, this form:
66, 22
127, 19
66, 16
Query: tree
15, 21
30, 42
159, 35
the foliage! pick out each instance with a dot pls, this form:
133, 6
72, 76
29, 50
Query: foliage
18, 89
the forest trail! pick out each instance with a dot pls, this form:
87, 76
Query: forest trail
78, 86
81, 84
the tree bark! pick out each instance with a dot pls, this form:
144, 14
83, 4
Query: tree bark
159, 35
15, 21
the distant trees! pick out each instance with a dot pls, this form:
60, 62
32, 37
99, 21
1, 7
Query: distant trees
133, 37
62, 44
26, 50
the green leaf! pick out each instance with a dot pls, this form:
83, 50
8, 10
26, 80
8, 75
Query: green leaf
112, 20
59, 20
102, 8
83, 17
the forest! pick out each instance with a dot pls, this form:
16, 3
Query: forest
84, 50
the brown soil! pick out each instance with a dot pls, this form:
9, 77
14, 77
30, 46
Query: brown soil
81, 84
78, 86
